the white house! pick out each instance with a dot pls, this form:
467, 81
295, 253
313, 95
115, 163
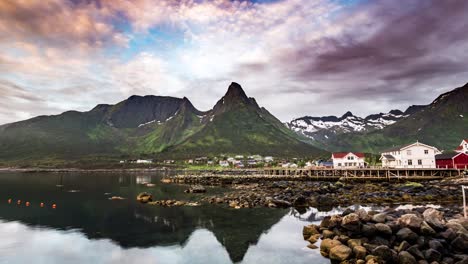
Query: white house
348, 160
142, 161
224, 163
415, 155
463, 148
289, 165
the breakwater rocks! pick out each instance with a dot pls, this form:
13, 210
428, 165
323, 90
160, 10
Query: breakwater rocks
196, 189
171, 203
422, 235
325, 195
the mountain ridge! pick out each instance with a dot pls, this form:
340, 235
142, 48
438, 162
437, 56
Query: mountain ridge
155, 126
442, 123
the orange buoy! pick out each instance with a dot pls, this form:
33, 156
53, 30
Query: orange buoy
9, 201
18, 202
42, 204
27, 203
54, 206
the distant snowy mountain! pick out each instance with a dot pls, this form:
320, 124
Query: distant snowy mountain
322, 128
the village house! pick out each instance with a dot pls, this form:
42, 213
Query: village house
268, 159
452, 160
224, 163
142, 161
289, 165
201, 160
348, 160
415, 155
463, 147
238, 164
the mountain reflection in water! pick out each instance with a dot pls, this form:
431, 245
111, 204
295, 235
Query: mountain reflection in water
87, 227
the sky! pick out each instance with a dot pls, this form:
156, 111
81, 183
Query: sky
296, 57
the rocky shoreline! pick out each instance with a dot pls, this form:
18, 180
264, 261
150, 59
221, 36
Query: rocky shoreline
328, 194
419, 236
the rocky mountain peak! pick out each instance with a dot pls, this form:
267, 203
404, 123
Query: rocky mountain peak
235, 91
347, 114
235, 97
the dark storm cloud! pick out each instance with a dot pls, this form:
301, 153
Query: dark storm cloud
413, 42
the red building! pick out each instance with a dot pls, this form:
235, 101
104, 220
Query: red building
452, 160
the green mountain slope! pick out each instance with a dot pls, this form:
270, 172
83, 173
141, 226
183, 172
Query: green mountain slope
153, 126
443, 123
238, 125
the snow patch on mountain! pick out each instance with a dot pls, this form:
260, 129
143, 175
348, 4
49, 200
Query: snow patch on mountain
311, 126
147, 123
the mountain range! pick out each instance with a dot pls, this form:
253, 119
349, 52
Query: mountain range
169, 127
155, 126
442, 123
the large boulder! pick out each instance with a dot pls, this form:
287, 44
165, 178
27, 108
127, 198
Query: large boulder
379, 218
460, 243
359, 252
407, 234
437, 245
326, 222
309, 230
354, 243
351, 222
383, 229
368, 230
340, 253
404, 257
414, 250
432, 255
335, 221
327, 245
384, 253
411, 221
363, 215
434, 218
457, 227
144, 197
427, 230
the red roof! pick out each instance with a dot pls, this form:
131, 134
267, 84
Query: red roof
459, 147
340, 155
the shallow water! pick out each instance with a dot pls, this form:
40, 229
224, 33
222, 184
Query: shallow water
87, 227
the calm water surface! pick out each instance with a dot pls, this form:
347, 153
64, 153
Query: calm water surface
87, 227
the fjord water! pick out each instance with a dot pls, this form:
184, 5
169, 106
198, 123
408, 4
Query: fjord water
87, 227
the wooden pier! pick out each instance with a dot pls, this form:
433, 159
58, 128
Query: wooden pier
367, 173
326, 174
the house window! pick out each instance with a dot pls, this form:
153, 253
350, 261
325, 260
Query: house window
339, 164
419, 162
350, 158
408, 152
410, 162
426, 151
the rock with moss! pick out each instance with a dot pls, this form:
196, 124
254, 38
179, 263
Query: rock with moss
144, 197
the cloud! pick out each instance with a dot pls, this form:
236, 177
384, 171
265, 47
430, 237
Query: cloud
297, 57
410, 49
78, 25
